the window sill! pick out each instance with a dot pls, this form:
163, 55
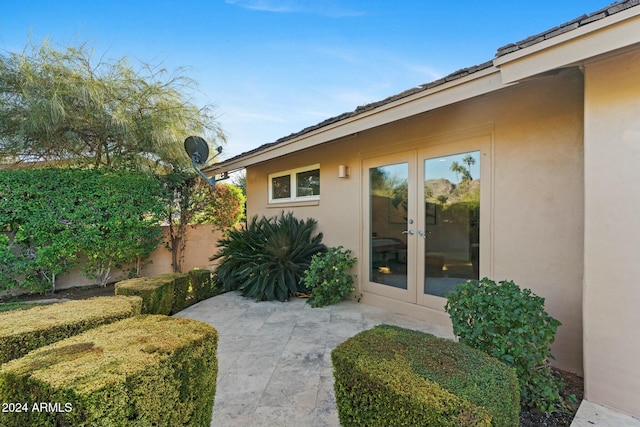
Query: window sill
294, 204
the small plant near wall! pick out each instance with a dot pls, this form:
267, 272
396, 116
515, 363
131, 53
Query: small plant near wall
328, 278
511, 325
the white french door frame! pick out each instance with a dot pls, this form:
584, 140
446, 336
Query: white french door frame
416, 252
409, 294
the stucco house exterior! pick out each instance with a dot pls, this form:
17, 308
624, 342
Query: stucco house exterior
524, 168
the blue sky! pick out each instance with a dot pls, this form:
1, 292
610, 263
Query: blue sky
274, 67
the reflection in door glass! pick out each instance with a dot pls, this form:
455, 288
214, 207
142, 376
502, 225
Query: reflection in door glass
452, 221
388, 204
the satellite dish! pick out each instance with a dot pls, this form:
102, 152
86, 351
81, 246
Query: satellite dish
198, 151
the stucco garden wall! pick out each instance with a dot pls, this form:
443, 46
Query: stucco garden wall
612, 212
534, 220
201, 244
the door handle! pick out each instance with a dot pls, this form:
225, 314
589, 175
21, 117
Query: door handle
423, 234
409, 232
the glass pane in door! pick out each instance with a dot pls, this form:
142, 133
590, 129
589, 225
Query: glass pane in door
388, 205
452, 221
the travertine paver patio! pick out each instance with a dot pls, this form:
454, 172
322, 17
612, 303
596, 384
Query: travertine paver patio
275, 358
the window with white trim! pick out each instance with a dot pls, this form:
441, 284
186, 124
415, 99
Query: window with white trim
295, 185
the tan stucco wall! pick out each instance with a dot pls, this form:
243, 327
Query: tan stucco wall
201, 244
612, 249
534, 220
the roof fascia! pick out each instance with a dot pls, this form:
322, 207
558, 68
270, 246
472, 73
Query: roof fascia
573, 47
475, 84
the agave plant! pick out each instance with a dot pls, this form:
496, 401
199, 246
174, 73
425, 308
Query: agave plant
267, 259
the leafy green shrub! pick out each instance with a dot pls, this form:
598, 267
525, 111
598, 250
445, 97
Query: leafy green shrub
221, 204
142, 371
390, 376
156, 292
511, 325
328, 277
25, 330
266, 259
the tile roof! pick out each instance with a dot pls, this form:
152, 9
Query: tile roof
568, 26
364, 108
513, 47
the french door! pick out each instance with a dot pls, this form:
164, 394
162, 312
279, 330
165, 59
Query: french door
421, 223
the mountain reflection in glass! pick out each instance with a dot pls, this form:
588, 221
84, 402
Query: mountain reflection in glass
452, 221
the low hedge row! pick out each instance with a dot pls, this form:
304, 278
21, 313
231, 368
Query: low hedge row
389, 376
202, 284
169, 293
24, 330
143, 371
156, 292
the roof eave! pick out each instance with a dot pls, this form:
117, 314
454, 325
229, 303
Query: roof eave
572, 47
474, 84
569, 45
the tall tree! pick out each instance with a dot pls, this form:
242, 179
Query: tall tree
65, 105
457, 168
189, 200
470, 161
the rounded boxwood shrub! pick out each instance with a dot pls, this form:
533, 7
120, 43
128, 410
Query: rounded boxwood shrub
390, 376
328, 277
511, 325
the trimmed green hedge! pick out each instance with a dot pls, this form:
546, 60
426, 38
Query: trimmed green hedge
390, 376
182, 292
169, 293
24, 330
192, 287
156, 292
143, 371
202, 284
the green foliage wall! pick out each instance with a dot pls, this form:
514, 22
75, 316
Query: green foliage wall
55, 217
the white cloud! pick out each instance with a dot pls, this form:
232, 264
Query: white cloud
327, 8
240, 115
261, 5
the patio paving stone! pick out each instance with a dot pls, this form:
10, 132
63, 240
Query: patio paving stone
275, 358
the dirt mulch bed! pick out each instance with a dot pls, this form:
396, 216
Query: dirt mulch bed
573, 386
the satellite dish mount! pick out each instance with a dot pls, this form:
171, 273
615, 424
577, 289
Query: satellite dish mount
198, 151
